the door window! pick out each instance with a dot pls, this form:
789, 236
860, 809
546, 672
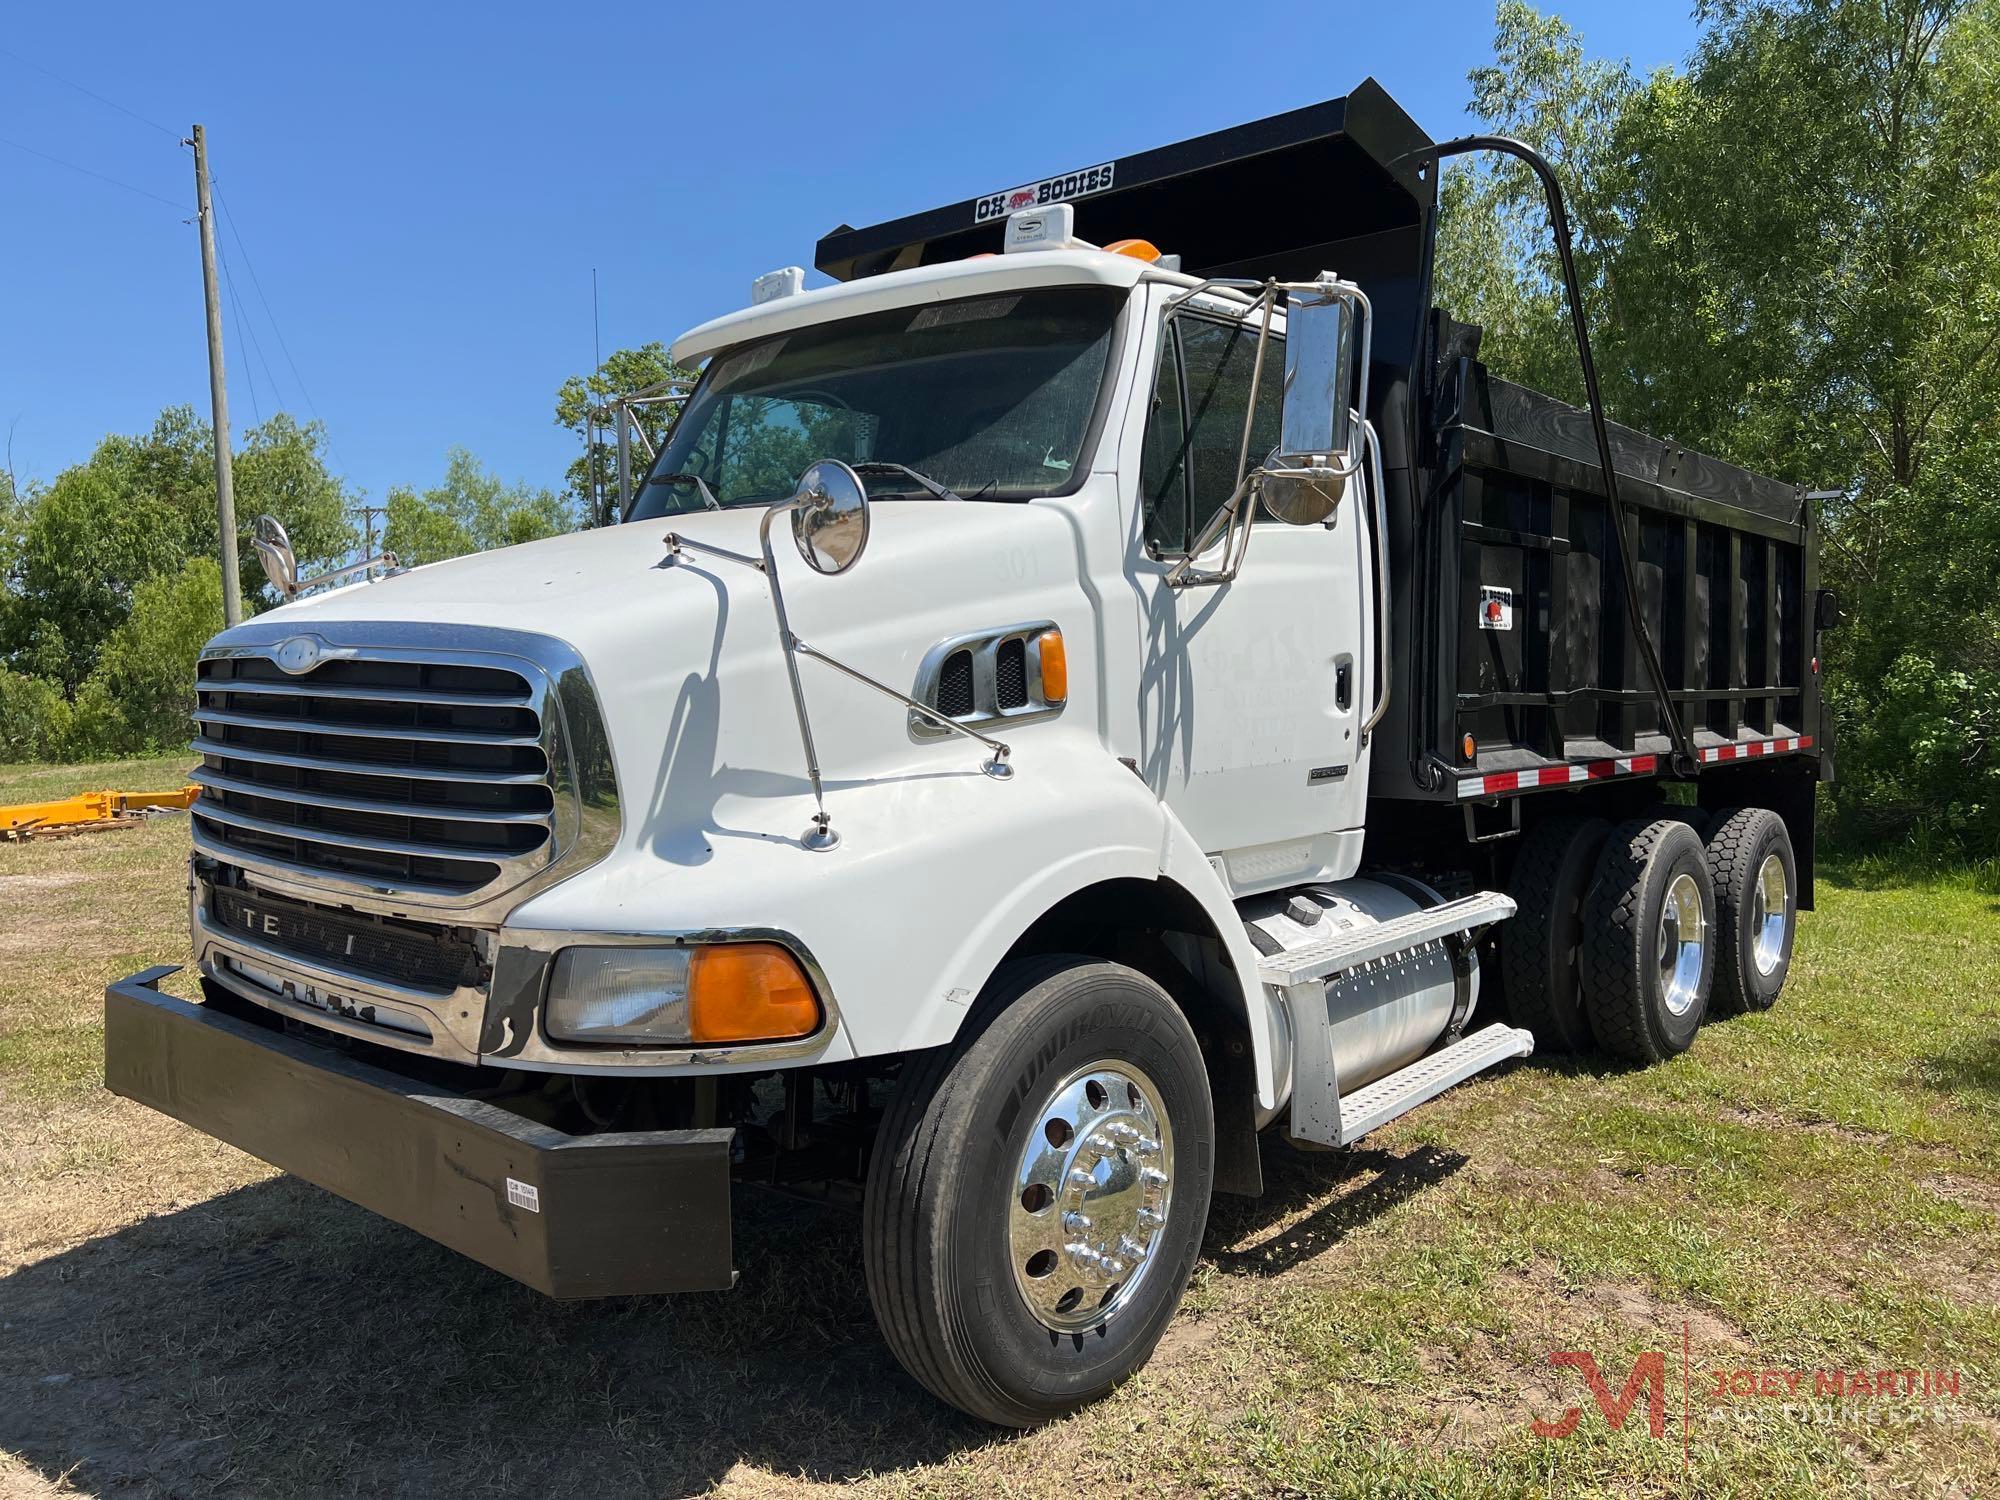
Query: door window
1195, 431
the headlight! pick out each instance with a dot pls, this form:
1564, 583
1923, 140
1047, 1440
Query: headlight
713, 993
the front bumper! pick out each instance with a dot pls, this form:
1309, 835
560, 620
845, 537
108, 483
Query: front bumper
572, 1216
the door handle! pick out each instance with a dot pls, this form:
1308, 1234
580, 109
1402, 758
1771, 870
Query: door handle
1343, 686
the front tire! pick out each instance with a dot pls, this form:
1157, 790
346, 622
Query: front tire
1038, 1192
1648, 944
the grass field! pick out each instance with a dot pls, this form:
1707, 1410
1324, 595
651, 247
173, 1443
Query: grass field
1813, 1189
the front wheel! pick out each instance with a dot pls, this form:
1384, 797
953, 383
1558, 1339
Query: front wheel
1038, 1192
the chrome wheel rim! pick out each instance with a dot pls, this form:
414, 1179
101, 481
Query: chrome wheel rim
1091, 1192
1683, 944
1768, 918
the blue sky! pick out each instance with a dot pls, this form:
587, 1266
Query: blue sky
414, 196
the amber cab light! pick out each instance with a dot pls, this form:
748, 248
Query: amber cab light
749, 992
1144, 250
1055, 666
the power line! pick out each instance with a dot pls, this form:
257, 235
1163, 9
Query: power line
284, 348
179, 208
277, 396
89, 94
249, 373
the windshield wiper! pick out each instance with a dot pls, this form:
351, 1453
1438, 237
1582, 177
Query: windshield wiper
707, 495
880, 466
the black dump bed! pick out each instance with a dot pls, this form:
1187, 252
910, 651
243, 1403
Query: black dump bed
1513, 664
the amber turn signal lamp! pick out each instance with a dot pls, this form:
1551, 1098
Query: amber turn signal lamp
1055, 666
749, 992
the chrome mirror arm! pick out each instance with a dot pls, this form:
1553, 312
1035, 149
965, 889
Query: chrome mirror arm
996, 765
677, 544
821, 834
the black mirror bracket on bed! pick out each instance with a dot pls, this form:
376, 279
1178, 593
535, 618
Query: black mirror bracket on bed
1685, 759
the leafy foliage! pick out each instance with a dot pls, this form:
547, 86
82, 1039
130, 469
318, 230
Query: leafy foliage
1789, 255
592, 479
470, 511
141, 695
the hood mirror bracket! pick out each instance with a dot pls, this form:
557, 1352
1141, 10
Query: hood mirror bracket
829, 515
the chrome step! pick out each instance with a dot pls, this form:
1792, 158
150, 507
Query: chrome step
1380, 1102
1350, 949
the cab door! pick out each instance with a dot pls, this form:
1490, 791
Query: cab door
1252, 692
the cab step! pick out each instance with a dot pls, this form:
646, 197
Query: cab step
1350, 949
1380, 1102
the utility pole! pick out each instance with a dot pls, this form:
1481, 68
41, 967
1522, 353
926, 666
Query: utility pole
368, 515
225, 486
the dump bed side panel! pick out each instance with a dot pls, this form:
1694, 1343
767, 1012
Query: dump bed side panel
1524, 672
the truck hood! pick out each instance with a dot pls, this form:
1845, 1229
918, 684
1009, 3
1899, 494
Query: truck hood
684, 655
613, 588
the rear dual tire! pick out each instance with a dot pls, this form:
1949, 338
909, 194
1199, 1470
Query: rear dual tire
1756, 878
1648, 955
1538, 946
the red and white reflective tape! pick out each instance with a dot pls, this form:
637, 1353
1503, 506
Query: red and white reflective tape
1502, 782
1746, 749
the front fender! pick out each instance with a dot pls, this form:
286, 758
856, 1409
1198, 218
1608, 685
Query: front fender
936, 877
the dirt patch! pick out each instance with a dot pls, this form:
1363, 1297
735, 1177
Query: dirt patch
1967, 1192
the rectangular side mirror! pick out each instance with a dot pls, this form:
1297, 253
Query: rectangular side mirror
1319, 377
1826, 610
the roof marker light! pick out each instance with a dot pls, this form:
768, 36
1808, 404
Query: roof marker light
1138, 249
1040, 228
786, 281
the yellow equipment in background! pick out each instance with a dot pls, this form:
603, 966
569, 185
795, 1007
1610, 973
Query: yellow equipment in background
87, 811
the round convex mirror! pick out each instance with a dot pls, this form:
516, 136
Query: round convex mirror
1302, 502
274, 550
830, 517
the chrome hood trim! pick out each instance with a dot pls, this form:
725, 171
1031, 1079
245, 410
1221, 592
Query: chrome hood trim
586, 813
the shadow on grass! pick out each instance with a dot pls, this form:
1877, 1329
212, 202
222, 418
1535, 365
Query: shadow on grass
1972, 1065
276, 1340
1367, 1184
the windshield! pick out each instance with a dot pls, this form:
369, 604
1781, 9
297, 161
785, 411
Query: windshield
988, 396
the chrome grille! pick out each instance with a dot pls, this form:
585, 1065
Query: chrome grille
431, 778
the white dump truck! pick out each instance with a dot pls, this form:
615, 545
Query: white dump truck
1109, 678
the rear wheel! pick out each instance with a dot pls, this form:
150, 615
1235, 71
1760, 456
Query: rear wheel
1538, 947
1756, 880
1648, 945
1038, 1192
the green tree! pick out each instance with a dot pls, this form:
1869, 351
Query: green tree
1789, 253
471, 510
592, 479
141, 696
89, 542
34, 719
282, 470
1496, 261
